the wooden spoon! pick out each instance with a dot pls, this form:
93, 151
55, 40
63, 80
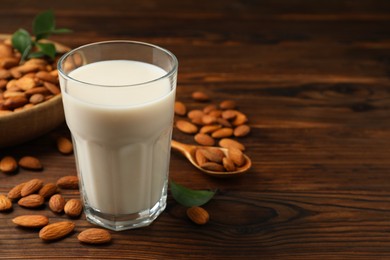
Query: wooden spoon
189, 152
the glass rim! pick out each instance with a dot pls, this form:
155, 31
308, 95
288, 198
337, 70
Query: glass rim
69, 53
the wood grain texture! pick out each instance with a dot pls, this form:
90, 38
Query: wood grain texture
313, 78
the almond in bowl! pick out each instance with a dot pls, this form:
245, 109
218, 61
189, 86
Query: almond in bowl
30, 98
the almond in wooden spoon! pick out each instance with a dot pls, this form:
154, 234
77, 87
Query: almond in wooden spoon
190, 151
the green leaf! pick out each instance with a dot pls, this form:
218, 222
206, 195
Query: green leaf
37, 54
188, 197
47, 48
21, 40
43, 25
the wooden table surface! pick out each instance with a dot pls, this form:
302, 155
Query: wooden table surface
313, 79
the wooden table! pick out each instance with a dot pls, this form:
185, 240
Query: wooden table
313, 78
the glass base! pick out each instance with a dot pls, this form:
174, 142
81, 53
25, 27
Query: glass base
125, 221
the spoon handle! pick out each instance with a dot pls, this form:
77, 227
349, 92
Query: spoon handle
183, 148
177, 146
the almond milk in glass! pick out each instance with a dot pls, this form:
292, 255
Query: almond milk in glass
118, 99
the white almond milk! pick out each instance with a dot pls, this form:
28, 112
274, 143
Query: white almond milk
122, 134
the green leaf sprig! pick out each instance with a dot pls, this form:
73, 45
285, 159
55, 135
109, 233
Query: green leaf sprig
33, 47
188, 197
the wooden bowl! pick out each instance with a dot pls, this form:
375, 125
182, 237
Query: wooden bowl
22, 126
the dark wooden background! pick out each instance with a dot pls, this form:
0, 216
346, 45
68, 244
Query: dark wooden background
313, 78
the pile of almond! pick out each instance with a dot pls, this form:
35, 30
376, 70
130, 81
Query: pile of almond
24, 85
215, 124
35, 194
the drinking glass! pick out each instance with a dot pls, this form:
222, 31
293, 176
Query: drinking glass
118, 98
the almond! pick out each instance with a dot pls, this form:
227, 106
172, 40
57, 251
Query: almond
200, 96
52, 88
8, 164
5, 203
223, 122
213, 154
73, 208
236, 156
27, 68
5, 50
197, 121
195, 114
5, 74
16, 74
57, 203
228, 104
207, 109
64, 145
12, 84
31, 201
241, 130
36, 62
37, 90
48, 190
222, 133
54, 73
15, 192
13, 93
216, 113
68, 182
227, 143
199, 157
240, 119
212, 166
208, 129
94, 236
31, 186
198, 215
56, 230
46, 76
8, 62
186, 127
25, 83
30, 163
180, 108
204, 139
228, 164
37, 98
3, 83
31, 221
229, 114
15, 102
208, 119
